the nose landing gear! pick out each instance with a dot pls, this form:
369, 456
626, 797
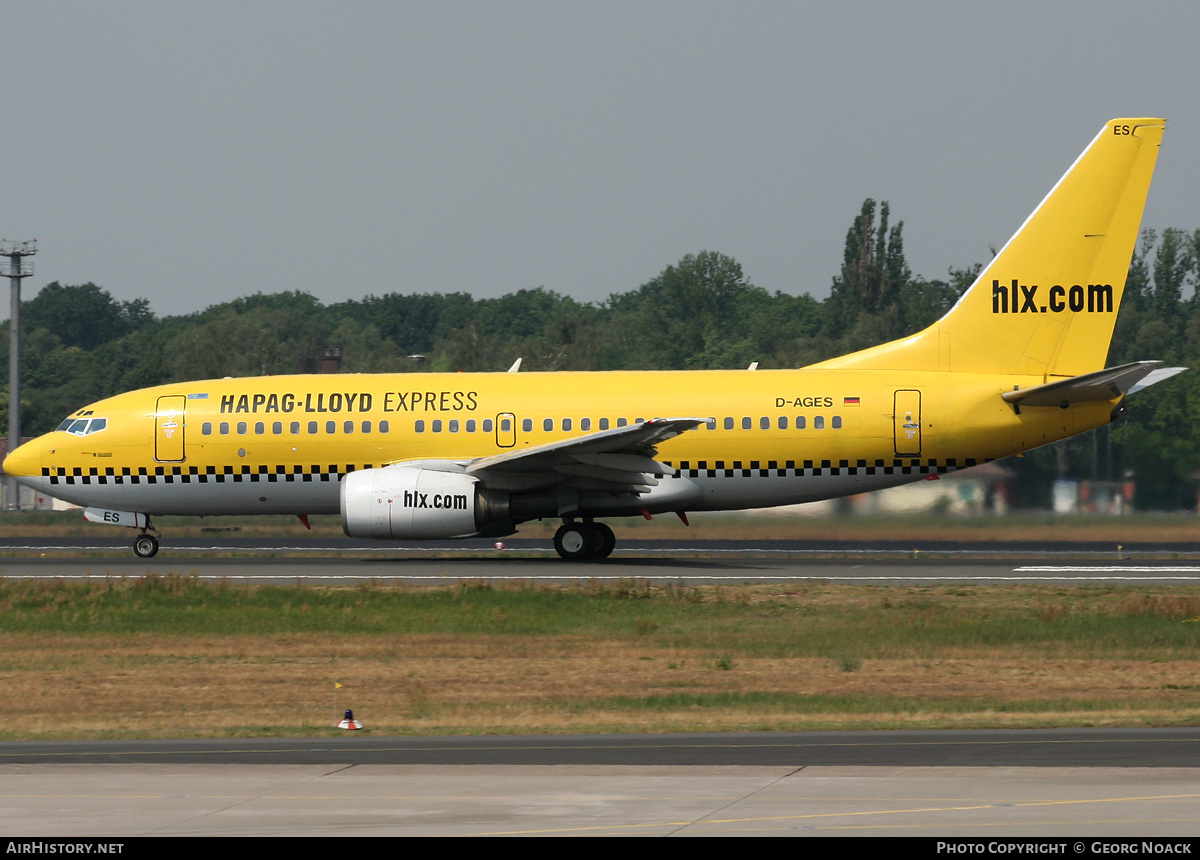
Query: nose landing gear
145, 545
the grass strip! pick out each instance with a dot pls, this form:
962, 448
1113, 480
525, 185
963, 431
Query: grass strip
179, 657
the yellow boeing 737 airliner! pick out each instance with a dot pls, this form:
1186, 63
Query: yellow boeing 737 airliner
1017, 363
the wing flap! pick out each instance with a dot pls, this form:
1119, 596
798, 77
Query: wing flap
602, 473
626, 462
640, 439
619, 460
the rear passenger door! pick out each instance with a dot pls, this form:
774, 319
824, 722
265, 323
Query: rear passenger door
906, 423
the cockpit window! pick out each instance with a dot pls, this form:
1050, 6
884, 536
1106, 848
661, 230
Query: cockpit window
82, 426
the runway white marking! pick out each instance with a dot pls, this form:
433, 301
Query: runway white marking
624, 577
1045, 568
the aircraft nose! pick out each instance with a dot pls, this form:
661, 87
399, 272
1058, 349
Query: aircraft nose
24, 462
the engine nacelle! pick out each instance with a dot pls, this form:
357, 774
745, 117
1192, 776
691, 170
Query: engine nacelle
401, 502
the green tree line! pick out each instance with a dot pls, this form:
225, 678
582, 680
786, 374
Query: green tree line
80, 344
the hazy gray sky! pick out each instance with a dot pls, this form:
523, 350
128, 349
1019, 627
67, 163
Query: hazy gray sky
193, 152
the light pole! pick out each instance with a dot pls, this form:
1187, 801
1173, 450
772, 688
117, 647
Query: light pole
17, 270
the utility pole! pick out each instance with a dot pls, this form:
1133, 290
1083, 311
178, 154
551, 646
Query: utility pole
17, 270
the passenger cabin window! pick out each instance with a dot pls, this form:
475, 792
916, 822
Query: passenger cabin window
819, 422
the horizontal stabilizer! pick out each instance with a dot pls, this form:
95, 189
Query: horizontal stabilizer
1156, 376
1106, 384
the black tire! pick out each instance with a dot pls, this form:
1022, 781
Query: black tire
146, 546
574, 541
606, 541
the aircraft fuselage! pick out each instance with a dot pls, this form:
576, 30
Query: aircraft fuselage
281, 444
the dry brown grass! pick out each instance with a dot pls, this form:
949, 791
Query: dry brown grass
143, 686
177, 657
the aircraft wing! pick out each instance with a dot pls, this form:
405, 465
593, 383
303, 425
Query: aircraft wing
620, 460
1104, 384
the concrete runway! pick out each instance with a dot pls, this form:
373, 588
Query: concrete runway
989, 804
1003, 785
696, 562
998, 785
418, 570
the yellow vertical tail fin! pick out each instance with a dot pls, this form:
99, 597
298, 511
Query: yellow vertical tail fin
1047, 303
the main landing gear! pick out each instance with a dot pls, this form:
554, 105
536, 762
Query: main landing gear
584, 541
145, 545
